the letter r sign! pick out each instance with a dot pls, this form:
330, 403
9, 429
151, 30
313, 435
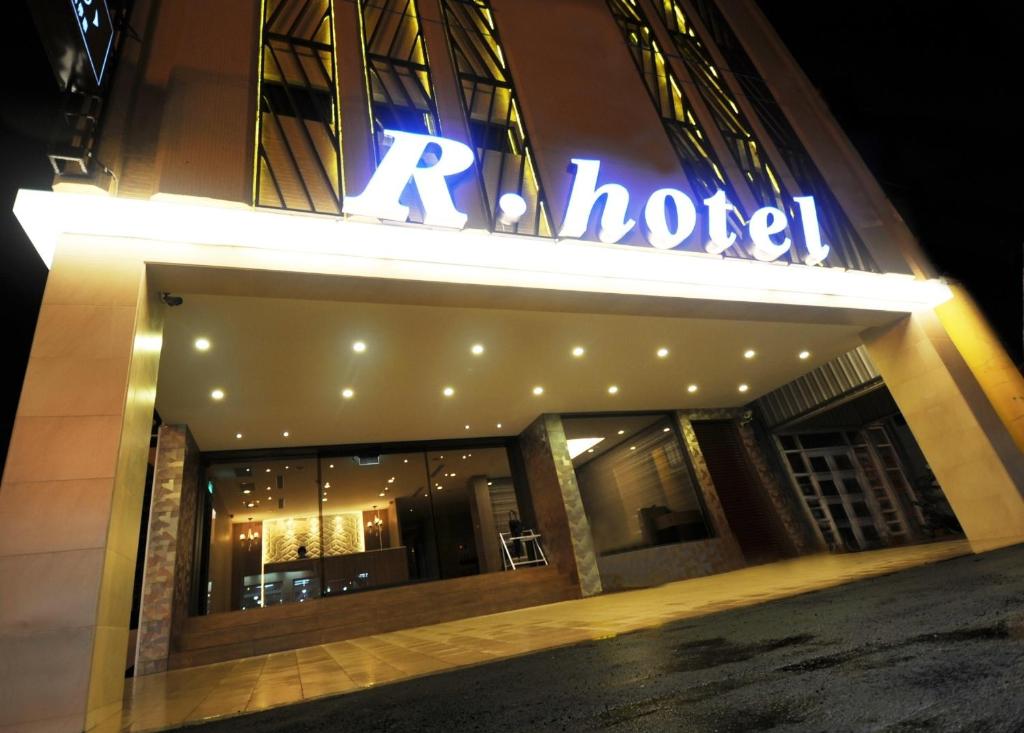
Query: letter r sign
400, 167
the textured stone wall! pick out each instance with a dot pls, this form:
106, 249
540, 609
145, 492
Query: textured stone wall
798, 531
557, 503
729, 549
170, 548
653, 566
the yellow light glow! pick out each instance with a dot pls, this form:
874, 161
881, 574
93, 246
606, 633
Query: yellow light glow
348, 393
477, 349
205, 232
238, 436
202, 344
538, 390
692, 388
578, 351
744, 388
613, 389
359, 347
749, 354
804, 355
448, 391
662, 353
217, 394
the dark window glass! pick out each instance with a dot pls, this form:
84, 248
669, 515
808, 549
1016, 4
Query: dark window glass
788, 442
843, 462
821, 440
820, 465
828, 488
796, 462
635, 482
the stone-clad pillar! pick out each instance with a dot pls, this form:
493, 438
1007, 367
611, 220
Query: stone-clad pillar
170, 548
967, 444
71, 497
557, 504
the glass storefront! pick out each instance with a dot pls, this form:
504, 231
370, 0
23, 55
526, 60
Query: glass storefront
635, 481
278, 530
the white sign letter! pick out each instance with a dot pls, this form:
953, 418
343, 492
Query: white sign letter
655, 218
585, 195
763, 224
816, 250
380, 198
718, 224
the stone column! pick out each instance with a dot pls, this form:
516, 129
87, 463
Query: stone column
967, 444
71, 497
557, 504
170, 548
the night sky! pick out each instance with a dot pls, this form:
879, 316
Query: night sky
925, 93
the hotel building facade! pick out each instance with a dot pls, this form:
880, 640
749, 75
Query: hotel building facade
370, 314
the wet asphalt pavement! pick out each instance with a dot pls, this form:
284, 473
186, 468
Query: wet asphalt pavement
937, 648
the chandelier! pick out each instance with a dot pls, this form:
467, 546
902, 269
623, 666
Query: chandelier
250, 538
373, 526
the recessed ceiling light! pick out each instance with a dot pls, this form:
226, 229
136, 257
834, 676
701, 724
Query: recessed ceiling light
538, 390
467, 427
662, 352
490, 483
238, 436
578, 351
331, 466
590, 450
202, 344
749, 354
286, 434
348, 393
499, 426
268, 470
804, 354
217, 394
632, 447
692, 388
622, 432
381, 494
448, 391
744, 387
287, 467
453, 474
359, 347
404, 460
246, 491
613, 389
665, 430
477, 349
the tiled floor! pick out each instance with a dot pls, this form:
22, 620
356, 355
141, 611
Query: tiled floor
191, 695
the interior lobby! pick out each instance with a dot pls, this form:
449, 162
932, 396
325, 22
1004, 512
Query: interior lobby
345, 340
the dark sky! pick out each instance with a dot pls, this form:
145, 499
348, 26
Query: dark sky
926, 91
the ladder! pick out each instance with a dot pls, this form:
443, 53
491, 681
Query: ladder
527, 547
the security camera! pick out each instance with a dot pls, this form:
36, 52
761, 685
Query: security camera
171, 300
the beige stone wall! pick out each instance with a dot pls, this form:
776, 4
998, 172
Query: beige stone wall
78, 452
968, 446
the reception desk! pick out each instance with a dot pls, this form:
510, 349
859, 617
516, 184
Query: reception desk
350, 572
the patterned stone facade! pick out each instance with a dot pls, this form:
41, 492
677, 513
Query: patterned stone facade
798, 531
557, 504
166, 582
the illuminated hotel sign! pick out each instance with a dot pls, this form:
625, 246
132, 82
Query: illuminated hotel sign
767, 228
96, 28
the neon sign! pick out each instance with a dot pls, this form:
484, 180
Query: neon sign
670, 216
96, 28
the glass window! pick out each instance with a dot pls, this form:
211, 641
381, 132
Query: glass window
288, 530
635, 481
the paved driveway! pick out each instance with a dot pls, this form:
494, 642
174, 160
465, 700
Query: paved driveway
935, 648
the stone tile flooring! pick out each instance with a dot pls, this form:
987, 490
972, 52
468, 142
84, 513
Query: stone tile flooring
192, 695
